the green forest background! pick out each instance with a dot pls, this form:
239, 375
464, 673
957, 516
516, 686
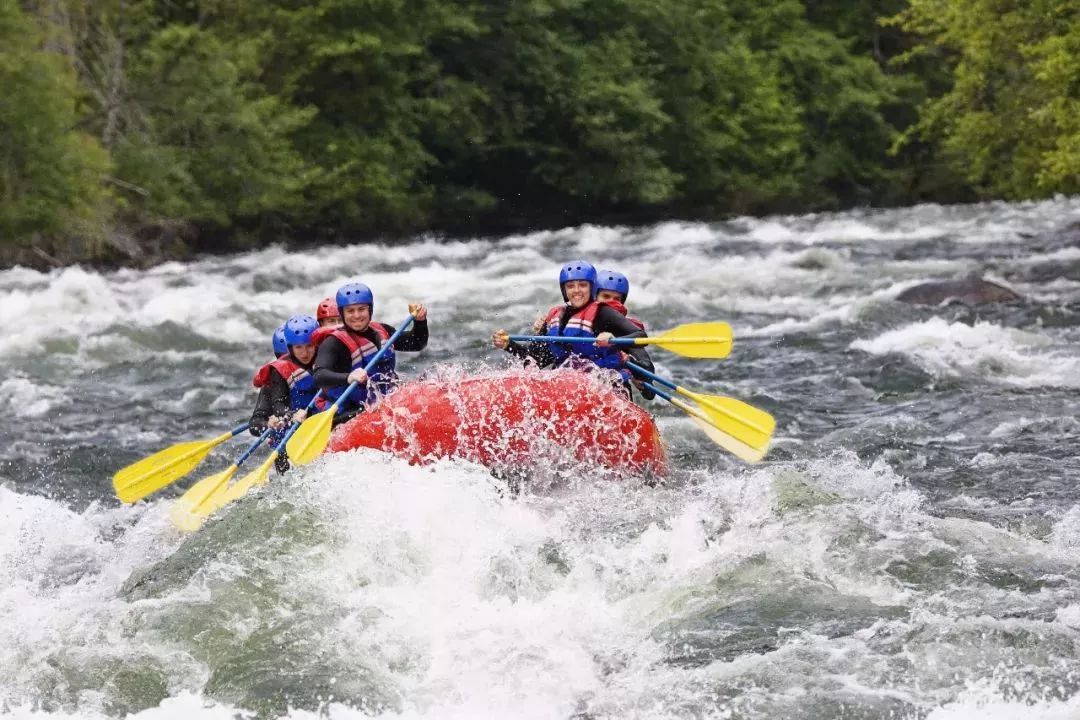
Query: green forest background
234, 123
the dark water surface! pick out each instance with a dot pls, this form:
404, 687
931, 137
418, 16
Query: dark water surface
908, 550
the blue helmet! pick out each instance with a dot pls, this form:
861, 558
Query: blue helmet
577, 270
299, 328
613, 281
354, 293
280, 346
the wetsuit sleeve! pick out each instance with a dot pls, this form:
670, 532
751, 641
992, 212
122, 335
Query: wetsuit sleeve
610, 320
332, 364
412, 340
273, 400
262, 412
280, 403
538, 352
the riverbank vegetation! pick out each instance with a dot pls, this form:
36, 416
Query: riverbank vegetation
133, 130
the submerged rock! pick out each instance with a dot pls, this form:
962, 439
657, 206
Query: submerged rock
970, 291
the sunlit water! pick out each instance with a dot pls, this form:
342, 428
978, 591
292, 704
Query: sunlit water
908, 550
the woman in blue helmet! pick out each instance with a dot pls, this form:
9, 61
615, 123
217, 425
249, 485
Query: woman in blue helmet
289, 383
581, 316
343, 353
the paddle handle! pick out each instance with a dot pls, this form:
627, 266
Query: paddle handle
253, 447
239, 429
371, 363
553, 339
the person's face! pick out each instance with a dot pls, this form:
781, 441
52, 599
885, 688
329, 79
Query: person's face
334, 321
357, 317
304, 353
578, 292
605, 295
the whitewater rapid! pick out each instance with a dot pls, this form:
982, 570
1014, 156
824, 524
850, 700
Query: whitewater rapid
908, 550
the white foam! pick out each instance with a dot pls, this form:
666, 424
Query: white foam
461, 600
1066, 534
26, 399
59, 572
986, 700
982, 351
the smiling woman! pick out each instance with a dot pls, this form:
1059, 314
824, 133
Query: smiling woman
581, 317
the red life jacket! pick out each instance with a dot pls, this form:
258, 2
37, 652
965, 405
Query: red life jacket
581, 321
301, 383
262, 375
321, 334
381, 377
580, 324
622, 311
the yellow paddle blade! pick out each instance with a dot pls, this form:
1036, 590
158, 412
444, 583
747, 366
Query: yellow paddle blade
187, 512
729, 442
746, 423
238, 489
751, 424
733, 446
694, 340
164, 467
310, 439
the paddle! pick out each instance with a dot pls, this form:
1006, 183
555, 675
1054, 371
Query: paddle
313, 434
706, 424
742, 429
310, 440
164, 467
693, 340
258, 476
190, 519
204, 497
187, 510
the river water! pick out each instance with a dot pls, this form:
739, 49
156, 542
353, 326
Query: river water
909, 549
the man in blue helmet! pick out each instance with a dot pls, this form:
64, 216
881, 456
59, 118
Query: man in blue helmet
343, 353
290, 383
613, 288
581, 316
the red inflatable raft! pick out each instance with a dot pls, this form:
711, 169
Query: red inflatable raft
518, 418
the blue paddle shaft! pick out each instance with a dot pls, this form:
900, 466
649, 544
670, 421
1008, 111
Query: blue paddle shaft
651, 375
553, 339
658, 391
378, 356
253, 446
294, 425
240, 428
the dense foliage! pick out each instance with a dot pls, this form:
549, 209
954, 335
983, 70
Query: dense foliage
309, 118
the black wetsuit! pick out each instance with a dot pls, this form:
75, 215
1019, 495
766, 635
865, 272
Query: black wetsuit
333, 362
607, 319
274, 401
